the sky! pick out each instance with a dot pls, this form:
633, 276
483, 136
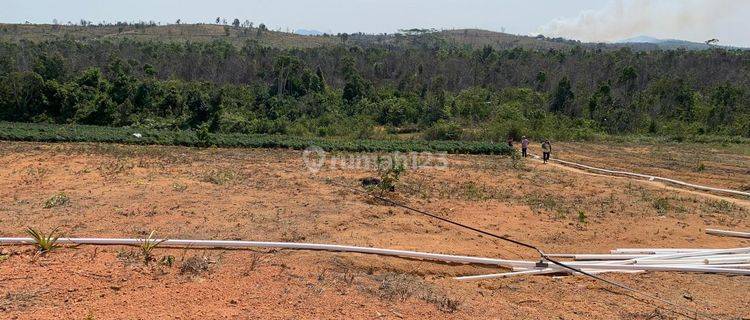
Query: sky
586, 20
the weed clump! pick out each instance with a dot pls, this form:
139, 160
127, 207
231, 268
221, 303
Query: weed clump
390, 172
662, 205
179, 187
582, 217
401, 287
221, 176
57, 200
700, 167
195, 265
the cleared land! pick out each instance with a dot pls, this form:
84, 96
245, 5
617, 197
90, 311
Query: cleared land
264, 194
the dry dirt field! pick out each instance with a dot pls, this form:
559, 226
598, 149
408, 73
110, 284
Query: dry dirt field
268, 195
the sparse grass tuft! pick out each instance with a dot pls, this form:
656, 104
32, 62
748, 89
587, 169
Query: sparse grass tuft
179, 187
582, 217
195, 265
167, 261
662, 205
148, 245
44, 242
57, 200
474, 192
401, 287
516, 160
724, 207
700, 167
221, 176
35, 174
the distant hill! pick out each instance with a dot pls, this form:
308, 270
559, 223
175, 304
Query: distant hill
651, 43
307, 32
499, 40
167, 33
303, 38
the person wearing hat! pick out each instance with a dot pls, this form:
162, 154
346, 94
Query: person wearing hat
524, 146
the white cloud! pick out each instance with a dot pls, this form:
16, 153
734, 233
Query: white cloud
696, 20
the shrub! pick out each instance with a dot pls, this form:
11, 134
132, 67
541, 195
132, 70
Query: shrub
59, 199
390, 172
195, 265
443, 130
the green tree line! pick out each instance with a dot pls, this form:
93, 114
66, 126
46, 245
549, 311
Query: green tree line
433, 91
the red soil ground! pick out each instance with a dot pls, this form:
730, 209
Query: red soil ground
268, 195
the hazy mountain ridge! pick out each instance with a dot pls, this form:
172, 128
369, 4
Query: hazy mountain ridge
306, 38
669, 43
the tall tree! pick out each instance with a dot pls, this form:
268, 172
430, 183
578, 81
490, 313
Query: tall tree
562, 98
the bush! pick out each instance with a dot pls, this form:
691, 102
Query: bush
443, 130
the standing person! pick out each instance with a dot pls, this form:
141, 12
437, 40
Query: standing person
546, 150
510, 141
524, 146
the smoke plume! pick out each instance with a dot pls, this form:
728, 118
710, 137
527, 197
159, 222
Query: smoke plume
696, 20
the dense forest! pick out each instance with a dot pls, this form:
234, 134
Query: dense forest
426, 89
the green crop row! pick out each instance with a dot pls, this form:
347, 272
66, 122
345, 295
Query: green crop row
82, 133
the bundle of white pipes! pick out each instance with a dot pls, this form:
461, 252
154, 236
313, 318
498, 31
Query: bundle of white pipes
735, 261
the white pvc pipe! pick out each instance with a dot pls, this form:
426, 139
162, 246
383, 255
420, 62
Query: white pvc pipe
651, 178
653, 250
712, 261
585, 257
503, 275
680, 268
282, 245
703, 253
725, 233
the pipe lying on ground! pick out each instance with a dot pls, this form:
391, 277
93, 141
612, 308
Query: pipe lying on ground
650, 177
724, 233
600, 268
280, 245
582, 257
523, 267
703, 253
653, 250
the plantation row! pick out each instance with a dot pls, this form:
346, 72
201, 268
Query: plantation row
84, 133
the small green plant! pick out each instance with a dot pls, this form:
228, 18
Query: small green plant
516, 160
195, 265
390, 173
701, 167
45, 242
662, 205
179, 187
204, 135
473, 192
582, 217
148, 245
167, 261
59, 199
